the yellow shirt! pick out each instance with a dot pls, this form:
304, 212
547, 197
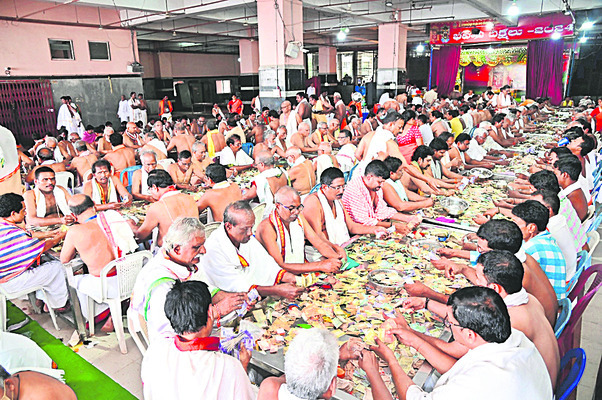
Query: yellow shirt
456, 126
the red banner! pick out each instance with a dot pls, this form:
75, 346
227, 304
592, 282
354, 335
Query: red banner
528, 27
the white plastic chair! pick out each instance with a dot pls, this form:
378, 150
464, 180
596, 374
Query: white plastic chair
209, 228
258, 210
138, 330
165, 163
65, 179
4, 296
127, 269
593, 238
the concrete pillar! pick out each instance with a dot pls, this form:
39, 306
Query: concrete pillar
249, 69
327, 68
280, 33
391, 73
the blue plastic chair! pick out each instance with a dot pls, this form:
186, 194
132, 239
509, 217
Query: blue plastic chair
248, 148
315, 188
584, 263
566, 386
566, 308
130, 173
350, 173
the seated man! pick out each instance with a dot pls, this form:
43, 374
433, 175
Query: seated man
233, 156
220, 192
532, 219
363, 200
502, 234
321, 134
460, 150
237, 262
195, 364
130, 136
46, 204
325, 159
169, 204
105, 189
200, 161
284, 232
214, 140
267, 182
302, 174
506, 365
152, 143
270, 143
21, 263
346, 155
184, 174
120, 157
113, 238
396, 195
301, 139
567, 170
140, 190
180, 140
176, 261
45, 159
82, 163
437, 169
33, 385
420, 166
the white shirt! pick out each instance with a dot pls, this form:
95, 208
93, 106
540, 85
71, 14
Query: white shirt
227, 157
427, 133
346, 157
467, 118
310, 90
124, 110
494, 371
560, 231
475, 151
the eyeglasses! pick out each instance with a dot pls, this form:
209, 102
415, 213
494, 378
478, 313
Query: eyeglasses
448, 324
293, 208
337, 188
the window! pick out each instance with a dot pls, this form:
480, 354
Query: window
365, 65
99, 51
223, 87
312, 65
61, 49
344, 65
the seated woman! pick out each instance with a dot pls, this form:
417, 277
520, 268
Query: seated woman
410, 137
396, 195
421, 164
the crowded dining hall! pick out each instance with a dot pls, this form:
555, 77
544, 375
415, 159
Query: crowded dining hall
425, 227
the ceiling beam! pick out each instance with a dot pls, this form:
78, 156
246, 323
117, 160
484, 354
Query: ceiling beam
492, 8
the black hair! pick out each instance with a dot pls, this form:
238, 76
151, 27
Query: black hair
347, 133
45, 154
330, 174
436, 114
587, 145
502, 267
464, 108
393, 163
422, 118
453, 113
159, 178
101, 163
377, 168
86, 204
445, 136
408, 115
216, 172
438, 144
313, 97
550, 198
560, 151
184, 154
116, 139
483, 311
571, 165
501, 234
498, 118
41, 170
232, 139
187, 306
302, 94
9, 203
545, 179
273, 114
462, 137
423, 152
533, 212
391, 116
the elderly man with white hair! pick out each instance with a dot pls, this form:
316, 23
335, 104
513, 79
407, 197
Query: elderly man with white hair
182, 247
340, 111
270, 144
325, 159
302, 139
267, 182
302, 174
51, 143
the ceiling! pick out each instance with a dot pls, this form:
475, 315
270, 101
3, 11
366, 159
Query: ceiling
215, 26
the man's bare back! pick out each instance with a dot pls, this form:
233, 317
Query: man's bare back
121, 158
96, 253
181, 143
303, 177
165, 211
56, 167
218, 199
83, 165
219, 142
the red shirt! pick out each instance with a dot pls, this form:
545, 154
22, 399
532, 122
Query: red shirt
597, 113
235, 106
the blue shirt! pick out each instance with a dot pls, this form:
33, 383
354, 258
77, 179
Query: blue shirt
544, 249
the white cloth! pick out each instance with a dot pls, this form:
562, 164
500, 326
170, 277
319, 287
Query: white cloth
590, 169
291, 123
19, 353
585, 187
285, 394
322, 162
346, 157
310, 90
169, 373
227, 157
10, 176
64, 118
59, 197
475, 151
468, 121
491, 144
496, 371
159, 145
89, 285
399, 189
49, 275
336, 228
120, 229
377, 144
517, 299
124, 112
96, 197
223, 266
578, 185
135, 112
559, 229
427, 134
264, 192
144, 182
294, 246
57, 155
159, 267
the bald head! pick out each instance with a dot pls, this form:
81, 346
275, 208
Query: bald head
80, 203
265, 158
293, 151
286, 194
304, 129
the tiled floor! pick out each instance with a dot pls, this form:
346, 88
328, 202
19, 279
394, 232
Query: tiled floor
125, 368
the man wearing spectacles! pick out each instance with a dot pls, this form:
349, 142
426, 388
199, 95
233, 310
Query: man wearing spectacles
302, 173
285, 231
346, 154
267, 182
26, 385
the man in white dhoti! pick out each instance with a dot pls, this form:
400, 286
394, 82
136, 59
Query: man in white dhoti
233, 156
124, 112
105, 189
284, 232
182, 248
46, 204
134, 105
140, 189
237, 262
325, 159
190, 365
288, 117
69, 117
10, 173
267, 182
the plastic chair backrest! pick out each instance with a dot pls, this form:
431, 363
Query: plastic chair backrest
130, 173
595, 224
584, 262
348, 178
315, 188
165, 163
127, 269
593, 238
566, 307
258, 210
248, 148
566, 386
65, 179
209, 228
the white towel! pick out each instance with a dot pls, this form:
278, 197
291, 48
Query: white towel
96, 198
517, 299
121, 231
59, 196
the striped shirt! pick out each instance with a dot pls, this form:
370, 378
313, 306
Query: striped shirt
544, 249
359, 205
18, 251
573, 222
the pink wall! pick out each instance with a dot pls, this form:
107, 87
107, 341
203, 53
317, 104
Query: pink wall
25, 45
184, 65
249, 56
392, 38
273, 38
327, 60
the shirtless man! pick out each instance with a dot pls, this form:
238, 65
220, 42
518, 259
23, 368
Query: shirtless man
217, 140
130, 136
104, 143
302, 174
82, 163
281, 137
287, 111
169, 204
220, 192
340, 111
66, 148
200, 161
301, 140
161, 134
45, 158
183, 173
121, 157
105, 189
325, 159
369, 124
321, 134
459, 151
47, 203
51, 143
437, 124
267, 182
269, 144
180, 139
303, 108
287, 246
140, 189
152, 143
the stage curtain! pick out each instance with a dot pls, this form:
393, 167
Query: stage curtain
444, 68
544, 69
